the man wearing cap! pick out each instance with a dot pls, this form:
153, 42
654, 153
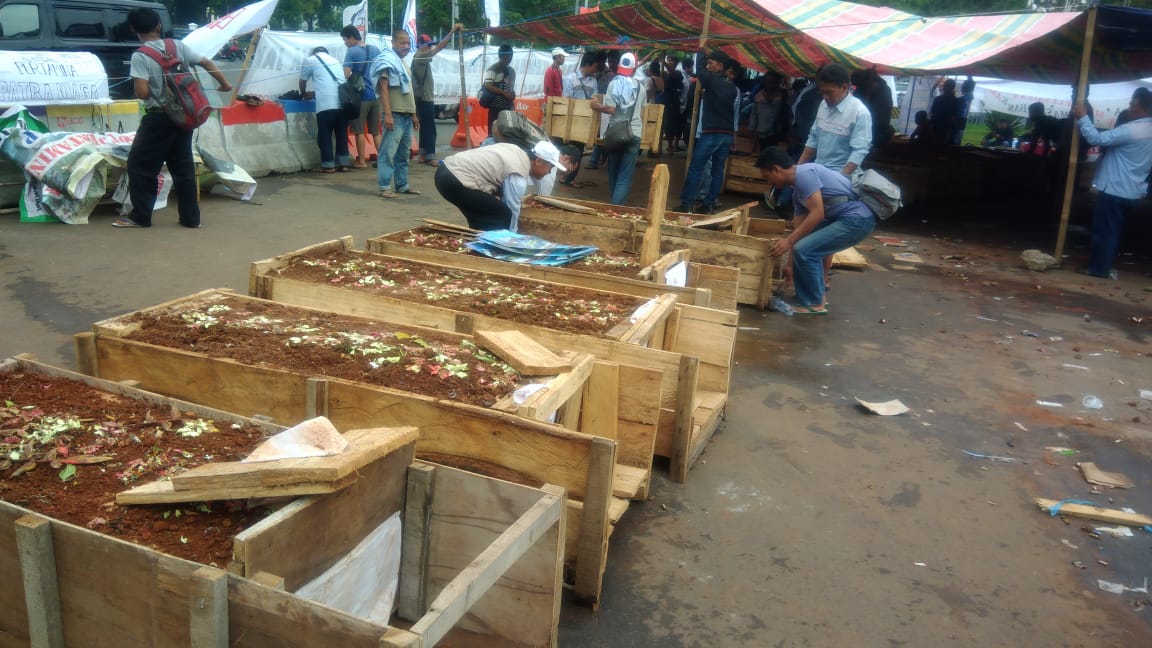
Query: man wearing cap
553, 77
624, 101
488, 183
425, 89
714, 132
500, 79
358, 60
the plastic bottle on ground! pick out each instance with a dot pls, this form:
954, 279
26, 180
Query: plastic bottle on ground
1092, 402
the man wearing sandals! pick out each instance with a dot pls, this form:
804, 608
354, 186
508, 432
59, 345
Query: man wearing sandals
158, 139
393, 82
834, 219
425, 88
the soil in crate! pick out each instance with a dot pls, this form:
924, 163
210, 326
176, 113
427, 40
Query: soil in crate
67, 449
616, 264
554, 306
326, 344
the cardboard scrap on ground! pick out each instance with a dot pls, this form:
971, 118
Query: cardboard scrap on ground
850, 259
1094, 475
888, 408
1089, 512
908, 257
890, 241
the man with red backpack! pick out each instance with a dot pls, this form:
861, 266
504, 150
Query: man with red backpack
159, 139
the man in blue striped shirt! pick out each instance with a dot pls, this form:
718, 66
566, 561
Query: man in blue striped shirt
1121, 176
842, 133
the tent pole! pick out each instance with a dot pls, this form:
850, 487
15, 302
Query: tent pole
462, 112
696, 98
527, 61
1074, 143
247, 61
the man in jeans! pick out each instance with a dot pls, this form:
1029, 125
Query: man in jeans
357, 60
159, 139
425, 88
624, 101
714, 133
393, 83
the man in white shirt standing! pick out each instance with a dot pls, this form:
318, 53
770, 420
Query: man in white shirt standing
842, 133
326, 74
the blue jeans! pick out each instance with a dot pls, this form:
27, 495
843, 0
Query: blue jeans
426, 111
332, 126
392, 158
1107, 222
808, 254
709, 146
621, 168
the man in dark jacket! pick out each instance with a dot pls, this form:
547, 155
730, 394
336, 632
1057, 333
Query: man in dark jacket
715, 131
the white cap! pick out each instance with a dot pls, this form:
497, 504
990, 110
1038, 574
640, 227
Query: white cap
627, 64
548, 152
559, 51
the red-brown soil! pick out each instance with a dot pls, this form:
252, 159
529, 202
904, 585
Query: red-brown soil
276, 335
554, 306
56, 425
617, 264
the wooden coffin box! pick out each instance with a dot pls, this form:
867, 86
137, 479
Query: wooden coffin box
747, 253
648, 282
492, 579
693, 349
742, 176
592, 469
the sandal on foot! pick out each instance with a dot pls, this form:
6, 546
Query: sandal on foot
387, 193
412, 192
125, 222
810, 310
433, 162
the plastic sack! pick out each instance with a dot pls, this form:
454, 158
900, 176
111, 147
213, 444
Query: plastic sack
363, 583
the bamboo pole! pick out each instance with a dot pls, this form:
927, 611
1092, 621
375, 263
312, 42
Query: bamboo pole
462, 112
696, 97
247, 61
1074, 141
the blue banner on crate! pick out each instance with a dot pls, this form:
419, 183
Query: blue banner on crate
522, 248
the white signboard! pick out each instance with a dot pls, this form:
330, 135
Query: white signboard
52, 78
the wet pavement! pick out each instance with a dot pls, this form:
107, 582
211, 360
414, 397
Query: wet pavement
808, 521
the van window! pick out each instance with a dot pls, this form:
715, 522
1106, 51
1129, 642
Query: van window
19, 21
121, 30
79, 23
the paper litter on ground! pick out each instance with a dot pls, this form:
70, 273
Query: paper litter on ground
888, 408
908, 257
1094, 475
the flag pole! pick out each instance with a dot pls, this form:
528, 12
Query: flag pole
1074, 144
696, 98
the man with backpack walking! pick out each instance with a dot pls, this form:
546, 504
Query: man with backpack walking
160, 139
357, 60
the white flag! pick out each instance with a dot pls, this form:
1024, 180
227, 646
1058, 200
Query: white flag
208, 40
492, 11
357, 15
410, 22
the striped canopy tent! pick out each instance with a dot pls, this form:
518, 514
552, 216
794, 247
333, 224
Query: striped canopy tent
796, 37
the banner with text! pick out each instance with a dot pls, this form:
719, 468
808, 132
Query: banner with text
52, 78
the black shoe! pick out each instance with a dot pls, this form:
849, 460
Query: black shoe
684, 208
708, 209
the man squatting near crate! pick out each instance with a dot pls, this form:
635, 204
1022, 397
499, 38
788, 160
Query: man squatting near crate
488, 183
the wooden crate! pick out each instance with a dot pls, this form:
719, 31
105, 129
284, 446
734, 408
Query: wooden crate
653, 119
742, 176
747, 253
691, 401
572, 120
647, 284
480, 563
600, 472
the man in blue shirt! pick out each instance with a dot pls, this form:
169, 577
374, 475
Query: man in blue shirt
1121, 176
841, 136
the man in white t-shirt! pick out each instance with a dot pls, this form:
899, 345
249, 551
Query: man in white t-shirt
326, 74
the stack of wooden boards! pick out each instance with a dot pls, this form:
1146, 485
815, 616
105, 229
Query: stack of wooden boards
496, 582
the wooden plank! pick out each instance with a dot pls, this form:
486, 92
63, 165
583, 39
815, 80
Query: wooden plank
452, 227
526, 355
469, 514
316, 395
306, 537
208, 607
473, 582
617, 507
660, 266
601, 409
412, 593
645, 327
564, 204
706, 418
163, 492
269, 580
41, 594
1099, 513
767, 227
365, 446
689, 368
657, 203
628, 481
541, 405
592, 552
710, 335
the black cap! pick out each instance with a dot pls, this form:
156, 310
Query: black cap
505, 49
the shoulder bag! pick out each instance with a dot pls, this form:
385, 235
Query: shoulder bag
348, 95
618, 135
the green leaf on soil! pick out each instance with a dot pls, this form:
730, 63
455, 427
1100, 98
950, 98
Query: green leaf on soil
68, 473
